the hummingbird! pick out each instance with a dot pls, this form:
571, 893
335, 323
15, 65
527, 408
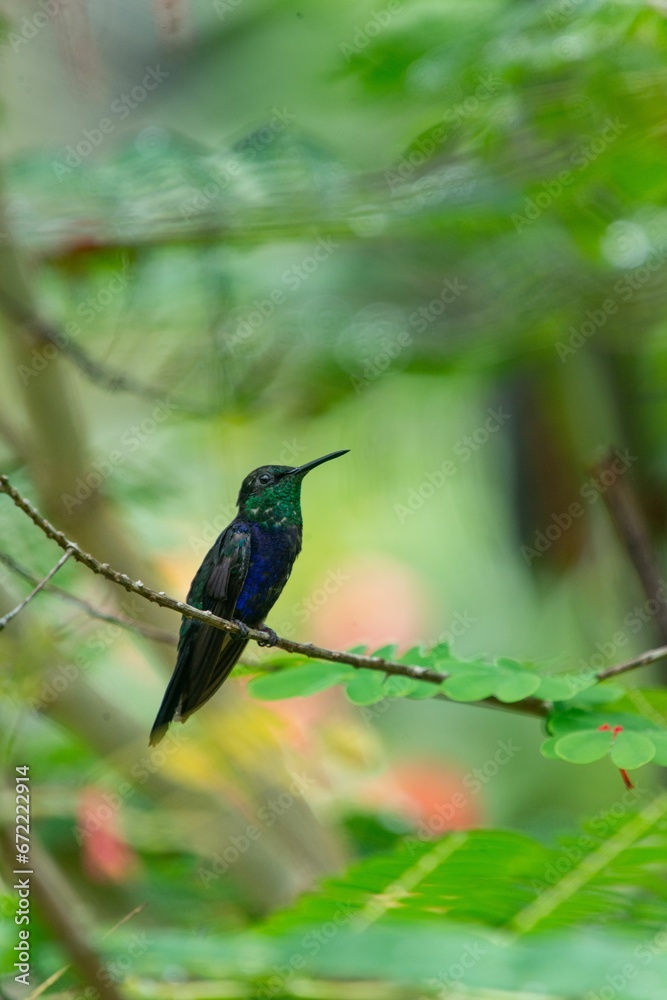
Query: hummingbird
241, 578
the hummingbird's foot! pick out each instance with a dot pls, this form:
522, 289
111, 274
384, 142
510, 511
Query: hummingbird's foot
272, 638
245, 631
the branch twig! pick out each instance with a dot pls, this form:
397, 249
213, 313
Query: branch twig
643, 660
625, 510
532, 706
236, 628
33, 593
45, 333
111, 380
148, 631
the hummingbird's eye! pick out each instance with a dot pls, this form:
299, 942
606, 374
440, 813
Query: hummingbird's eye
264, 478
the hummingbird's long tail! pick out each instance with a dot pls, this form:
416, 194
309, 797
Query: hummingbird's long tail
205, 660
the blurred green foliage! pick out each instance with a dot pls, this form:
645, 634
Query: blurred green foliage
434, 234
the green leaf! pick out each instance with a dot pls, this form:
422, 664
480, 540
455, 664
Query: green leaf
509, 664
385, 652
298, 681
399, 687
583, 747
659, 741
366, 687
472, 685
548, 749
631, 750
415, 655
438, 873
516, 686
571, 720
434, 655
515, 680
416, 689
598, 694
556, 689
423, 690
496, 878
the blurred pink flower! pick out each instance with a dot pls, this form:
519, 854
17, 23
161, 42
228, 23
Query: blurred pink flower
429, 794
380, 601
107, 857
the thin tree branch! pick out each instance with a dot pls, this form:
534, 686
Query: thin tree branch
101, 375
643, 660
44, 332
44, 986
148, 631
532, 706
236, 628
33, 593
626, 513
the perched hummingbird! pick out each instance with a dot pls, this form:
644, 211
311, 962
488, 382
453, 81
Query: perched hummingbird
241, 578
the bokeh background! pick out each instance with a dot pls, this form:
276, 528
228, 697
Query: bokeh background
255, 231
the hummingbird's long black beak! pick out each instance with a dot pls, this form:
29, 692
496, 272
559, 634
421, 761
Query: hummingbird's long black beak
317, 461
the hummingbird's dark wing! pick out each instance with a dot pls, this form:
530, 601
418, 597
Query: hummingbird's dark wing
206, 655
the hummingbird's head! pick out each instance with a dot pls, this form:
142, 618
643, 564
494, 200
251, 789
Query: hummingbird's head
274, 491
